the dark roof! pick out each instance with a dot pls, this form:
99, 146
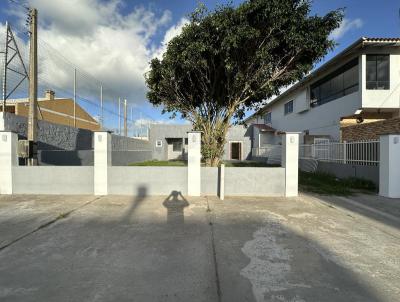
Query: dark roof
264, 127
372, 39
360, 43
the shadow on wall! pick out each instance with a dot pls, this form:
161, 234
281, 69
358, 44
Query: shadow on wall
52, 137
175, 204
69, 147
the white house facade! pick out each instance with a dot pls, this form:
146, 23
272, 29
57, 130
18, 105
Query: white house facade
361, 83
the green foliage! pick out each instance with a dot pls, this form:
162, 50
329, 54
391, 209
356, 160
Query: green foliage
234, 58
328, 184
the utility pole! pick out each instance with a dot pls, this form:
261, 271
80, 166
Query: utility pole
131, 123
5, 71
140, 131
101, 107
125, 119
33, 82
75, 97
119, 116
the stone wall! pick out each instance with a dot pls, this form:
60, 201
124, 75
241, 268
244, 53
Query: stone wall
370, 130
52, 136
60, 145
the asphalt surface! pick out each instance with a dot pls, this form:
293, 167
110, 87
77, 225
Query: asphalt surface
115, 248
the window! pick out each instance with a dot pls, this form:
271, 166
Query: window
339, 83
289, 107
268, 118
159, 143
177, 145
378, 72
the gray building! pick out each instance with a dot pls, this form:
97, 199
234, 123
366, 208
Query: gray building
170, 142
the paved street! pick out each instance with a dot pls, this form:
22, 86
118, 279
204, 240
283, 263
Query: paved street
114, 248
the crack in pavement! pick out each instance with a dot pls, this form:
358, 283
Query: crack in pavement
214, 252
48, 223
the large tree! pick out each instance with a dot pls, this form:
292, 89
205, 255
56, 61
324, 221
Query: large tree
230, 60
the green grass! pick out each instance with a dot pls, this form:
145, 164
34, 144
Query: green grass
327, 184
161, 163
181, 163
248, 163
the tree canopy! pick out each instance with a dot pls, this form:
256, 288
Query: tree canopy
234, 58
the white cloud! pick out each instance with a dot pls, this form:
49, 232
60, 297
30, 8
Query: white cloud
113, 46
346, 26
169, 35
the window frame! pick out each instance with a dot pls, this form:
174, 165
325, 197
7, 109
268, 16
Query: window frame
269, 113
327, 81
377, 81
285, 107
175, 143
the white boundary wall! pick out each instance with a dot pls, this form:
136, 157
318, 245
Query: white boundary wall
104, 179
142, 181
254, 181
102, 162
290, 162
194, 159
8, 161
389, 167
53, 180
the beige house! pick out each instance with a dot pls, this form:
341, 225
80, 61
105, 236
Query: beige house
54, 110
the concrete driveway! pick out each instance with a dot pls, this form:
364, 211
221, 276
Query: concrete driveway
310, 248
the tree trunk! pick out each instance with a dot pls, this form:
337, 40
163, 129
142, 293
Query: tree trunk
213, 142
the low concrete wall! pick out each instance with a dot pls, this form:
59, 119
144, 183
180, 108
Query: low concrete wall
345, 170
53, 180
254, 181
142, 181
209, 181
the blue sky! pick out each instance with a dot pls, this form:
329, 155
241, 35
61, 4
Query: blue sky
113, 40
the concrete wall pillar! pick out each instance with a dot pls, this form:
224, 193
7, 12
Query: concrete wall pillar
8, 160
290, 161
2, 121
102, 160
194, 157
389, 166
221, 182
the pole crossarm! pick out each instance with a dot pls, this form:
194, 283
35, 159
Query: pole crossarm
12, 55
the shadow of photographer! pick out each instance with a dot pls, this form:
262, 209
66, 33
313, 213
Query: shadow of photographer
175, 204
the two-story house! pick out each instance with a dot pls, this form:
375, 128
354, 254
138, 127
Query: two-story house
360, 84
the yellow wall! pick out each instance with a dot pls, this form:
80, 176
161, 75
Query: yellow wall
66, 117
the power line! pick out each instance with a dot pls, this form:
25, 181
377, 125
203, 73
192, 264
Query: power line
88, 88
25, 4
